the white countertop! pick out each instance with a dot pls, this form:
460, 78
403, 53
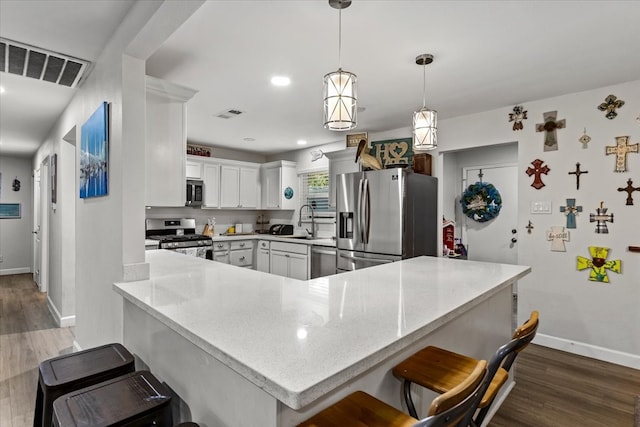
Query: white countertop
297, 340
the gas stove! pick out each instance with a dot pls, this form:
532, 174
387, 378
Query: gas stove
176, 234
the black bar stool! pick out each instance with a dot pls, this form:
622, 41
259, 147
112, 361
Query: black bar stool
64, 374
135, 399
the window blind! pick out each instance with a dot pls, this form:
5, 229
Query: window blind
315, 192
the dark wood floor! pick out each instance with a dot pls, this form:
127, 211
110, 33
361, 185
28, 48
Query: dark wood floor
554, 389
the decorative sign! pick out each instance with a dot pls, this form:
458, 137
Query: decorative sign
198, 150
629, 189
557, 236
621, 149
16, 184
354, 139
481, 202
288, 193
609, 105
599, 264
577, 173
393, 152
537, 170
549, 128
519, 114
571, 211
94, 154
601, 218
10, 210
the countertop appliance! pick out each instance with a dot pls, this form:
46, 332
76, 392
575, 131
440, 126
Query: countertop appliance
178, 234
385, 216
281, 229
195, 193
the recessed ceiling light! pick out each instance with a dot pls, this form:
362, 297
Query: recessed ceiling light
280, 81
302, 142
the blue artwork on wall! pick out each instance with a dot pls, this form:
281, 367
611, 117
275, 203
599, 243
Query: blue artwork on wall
94, 154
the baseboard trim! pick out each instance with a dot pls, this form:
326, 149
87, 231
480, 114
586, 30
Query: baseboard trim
583, 349
61, 321
8, 271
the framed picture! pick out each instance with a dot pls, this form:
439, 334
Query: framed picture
393, 152
10, 210
54, 177
354, 139
94, 154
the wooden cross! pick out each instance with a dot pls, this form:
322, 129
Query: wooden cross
621, 149
537, 170
599, 264
609, 105
529, 227
601, 218
577, 173
549, 127
571, 211
557, 236
629, 189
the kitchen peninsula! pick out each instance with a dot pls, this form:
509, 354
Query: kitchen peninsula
246, 348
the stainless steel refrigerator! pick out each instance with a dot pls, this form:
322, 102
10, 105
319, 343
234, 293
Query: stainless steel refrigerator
384, 216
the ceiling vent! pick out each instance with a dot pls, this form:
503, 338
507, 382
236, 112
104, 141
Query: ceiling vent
41, 64
229, 114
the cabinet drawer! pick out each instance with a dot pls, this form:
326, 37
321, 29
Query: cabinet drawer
242, 257
242, 244
221, 256
296, 248
220, 246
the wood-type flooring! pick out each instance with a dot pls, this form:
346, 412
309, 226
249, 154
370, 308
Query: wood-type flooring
553, 389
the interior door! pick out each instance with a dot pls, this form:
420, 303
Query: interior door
495, 240
36, 227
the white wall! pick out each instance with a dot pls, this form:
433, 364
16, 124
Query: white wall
591, 318
16, 241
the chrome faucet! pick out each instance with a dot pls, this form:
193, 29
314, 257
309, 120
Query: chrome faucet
312, 233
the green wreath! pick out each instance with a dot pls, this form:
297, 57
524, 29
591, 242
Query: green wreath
481, 202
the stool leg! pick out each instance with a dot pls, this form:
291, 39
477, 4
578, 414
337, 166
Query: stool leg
407, 398
37, 415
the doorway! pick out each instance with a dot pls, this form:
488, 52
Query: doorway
41, 226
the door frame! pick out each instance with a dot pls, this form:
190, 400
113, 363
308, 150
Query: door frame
42, 205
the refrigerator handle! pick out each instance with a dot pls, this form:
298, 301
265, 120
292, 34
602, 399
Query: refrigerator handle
367, 212
360, 258
361, 210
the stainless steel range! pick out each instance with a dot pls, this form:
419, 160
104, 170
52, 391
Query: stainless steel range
178, 235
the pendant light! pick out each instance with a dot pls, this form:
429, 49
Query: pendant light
340, 96
425, 121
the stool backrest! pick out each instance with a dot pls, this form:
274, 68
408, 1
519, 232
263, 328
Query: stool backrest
450, 408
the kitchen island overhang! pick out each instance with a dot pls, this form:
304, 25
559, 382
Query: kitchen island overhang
300, 342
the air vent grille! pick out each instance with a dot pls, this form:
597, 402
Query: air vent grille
37, 63
229, 114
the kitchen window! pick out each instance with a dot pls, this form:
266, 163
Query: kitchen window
314, 190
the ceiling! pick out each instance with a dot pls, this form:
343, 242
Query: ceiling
488, 54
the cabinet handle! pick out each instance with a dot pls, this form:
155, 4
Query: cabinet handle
287, 255
242, 245
241, 258
220, 245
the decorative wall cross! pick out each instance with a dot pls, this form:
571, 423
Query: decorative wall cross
577, 173
557, 236
519, 114
609, 105
621, 149
529, 227
537, 170
629, 189
584, 139
571, 211
549, 127
599, 264
601, 218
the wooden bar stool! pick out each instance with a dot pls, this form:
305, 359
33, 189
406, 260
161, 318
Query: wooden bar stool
64, 374
360, 409
440, 370
135, 399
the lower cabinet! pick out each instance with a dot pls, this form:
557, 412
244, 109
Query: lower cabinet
263, 256
290, 260
221, 252
241, 253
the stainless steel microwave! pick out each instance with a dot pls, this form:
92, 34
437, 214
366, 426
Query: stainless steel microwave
195, 193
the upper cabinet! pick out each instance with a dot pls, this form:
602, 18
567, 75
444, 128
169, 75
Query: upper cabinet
211, 178
279, 185
166, 142
194, 169
239, 185
342, 161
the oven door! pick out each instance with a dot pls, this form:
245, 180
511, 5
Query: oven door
199, 252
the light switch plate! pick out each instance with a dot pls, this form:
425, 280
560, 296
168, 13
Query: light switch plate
541, 207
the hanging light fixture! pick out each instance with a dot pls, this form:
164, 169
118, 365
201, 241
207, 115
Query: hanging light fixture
340, 96
425, 121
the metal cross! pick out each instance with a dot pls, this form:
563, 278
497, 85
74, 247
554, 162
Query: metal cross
629, 189
529, 227
571, 211
537, 170
577, 173
621, 149
609, 105
601, 218
549, 127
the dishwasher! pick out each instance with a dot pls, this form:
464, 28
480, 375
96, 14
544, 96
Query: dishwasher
323, 261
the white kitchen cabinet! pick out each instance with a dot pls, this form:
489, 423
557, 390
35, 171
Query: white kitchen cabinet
211, 178
279, 185
221, 252
165, 142
263, 256
342, 161
241, 253
290, 260
239, 186
194, 169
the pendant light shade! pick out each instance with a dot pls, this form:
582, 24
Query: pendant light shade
425, 120
340, 90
